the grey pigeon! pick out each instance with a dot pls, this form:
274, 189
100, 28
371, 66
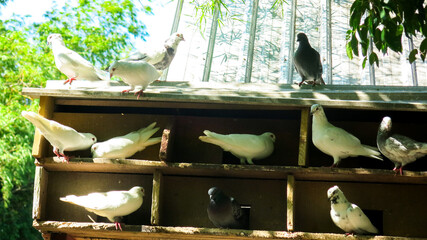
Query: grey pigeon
244, 146
307, 62
401, 150
160, 58
135, 73
348, 216
72, 64
225, 211
335, 141
62, 138
125, 146
112, 205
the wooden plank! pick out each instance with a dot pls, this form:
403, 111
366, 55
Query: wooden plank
290, 203
372, 97
232, 170
304, 128
40, 192
156, 198
46, 236
166, 145
131, 232
45, 110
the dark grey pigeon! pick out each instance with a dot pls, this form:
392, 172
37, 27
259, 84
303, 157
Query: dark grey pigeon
160, 58
225, 211
307, 62
399, 149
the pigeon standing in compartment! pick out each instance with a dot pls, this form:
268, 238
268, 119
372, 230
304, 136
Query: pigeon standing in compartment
225, 211
348, 216
335, 141
244, 146
307, 62
160, 58
112, 205
72, 64
401, 150
125, 146
62, 138
134, 73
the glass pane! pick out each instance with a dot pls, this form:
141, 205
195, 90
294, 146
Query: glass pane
344, 70
270, 50
189, 60
231, 44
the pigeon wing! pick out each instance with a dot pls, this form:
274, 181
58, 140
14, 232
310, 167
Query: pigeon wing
341, 138
359, 220
235, 142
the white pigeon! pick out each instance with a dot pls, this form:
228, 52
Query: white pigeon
135, 73
335, 141
111, 204
348, 216
125, 146
400, 149
72, 64
61, 137
244, 146
160, 58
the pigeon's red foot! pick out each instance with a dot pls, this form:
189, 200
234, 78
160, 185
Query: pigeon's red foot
333, 165
398, 170
299, 84
140, 93
70, 80
118, 225
126, 91
349, 234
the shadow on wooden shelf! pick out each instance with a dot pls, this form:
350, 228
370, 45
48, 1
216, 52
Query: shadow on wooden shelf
107, 231
232, 170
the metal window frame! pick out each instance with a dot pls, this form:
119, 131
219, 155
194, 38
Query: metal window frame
292, 28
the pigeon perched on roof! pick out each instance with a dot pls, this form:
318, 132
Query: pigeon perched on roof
225, 211
125, 146
72, 64
112, 205
135, 73
160, 58
401, 150
348, 216
307, 62
335, 141
244, 146
61, 137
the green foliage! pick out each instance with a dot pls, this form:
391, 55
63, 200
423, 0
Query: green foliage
383, 23
100, 31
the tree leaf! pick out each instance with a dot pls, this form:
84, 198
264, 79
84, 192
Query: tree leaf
412, 55
373, 58
364, 62
349, 50
354, 45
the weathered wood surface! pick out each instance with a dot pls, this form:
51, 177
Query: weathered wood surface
357, 97
46, 109
107, 230
40, 191
232, 170
290, 203
304, 126
155, 205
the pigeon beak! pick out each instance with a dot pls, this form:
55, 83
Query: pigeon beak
111, 75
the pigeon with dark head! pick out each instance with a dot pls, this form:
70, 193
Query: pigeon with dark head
225, 211
307, 62
400, 149
160, 58
348, 216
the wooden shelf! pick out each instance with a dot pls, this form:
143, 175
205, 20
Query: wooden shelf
80, 230
231, 170
354, 97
